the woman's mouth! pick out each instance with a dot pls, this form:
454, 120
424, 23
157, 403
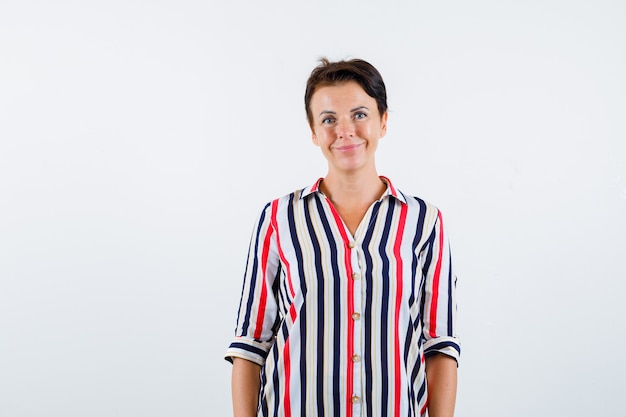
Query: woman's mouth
347, 148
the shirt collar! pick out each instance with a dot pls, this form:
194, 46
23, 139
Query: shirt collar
391, 190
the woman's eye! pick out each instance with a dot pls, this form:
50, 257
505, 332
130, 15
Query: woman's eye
360, 115
328, 120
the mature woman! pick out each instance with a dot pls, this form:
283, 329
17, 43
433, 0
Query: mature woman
348, 303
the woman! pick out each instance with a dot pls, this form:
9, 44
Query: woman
348, 306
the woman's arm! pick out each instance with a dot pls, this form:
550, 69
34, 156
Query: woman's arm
441, 375
246, 382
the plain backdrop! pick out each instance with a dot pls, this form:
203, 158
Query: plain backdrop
140, 139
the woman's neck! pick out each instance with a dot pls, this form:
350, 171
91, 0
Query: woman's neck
353, 190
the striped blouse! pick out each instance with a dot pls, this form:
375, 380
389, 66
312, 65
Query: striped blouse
341, 324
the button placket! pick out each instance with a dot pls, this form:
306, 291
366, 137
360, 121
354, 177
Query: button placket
357, 350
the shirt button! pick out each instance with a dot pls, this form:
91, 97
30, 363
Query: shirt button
356, 316
356, 400
356, 358
351, 245
355, 275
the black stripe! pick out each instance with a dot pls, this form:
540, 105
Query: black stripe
248, 348
277, 294
255, 268
367, 311
428, 246
450, 298
276, 391
262, 398
336, 280
421, 391
414, 273
303, 288
433, 350
319, 279
419, 229
384, 309
407, 340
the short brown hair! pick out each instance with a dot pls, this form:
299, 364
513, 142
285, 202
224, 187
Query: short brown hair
358, 70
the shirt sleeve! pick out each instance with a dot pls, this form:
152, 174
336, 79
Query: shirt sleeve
258, 310
438, 309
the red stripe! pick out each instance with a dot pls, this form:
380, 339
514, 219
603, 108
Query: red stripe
281, 254
263, 299
433, 303
287, 399
350, 310
396, 252
292, 313
391, 187
280, 248
350, 341
316, 186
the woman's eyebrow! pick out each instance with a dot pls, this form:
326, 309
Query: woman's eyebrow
351, 110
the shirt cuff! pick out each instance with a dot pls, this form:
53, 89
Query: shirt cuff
249, 349
449, 346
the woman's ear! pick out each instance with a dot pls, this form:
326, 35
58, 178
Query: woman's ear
314, 139
383, 124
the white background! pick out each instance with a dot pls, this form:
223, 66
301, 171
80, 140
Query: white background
139, 140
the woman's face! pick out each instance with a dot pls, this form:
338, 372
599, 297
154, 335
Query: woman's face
347, 126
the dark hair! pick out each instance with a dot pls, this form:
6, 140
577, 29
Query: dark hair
358, 70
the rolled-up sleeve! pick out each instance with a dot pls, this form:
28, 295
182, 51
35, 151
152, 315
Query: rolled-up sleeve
439, 291
254, 334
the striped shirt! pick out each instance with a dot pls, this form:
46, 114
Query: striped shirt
342, 324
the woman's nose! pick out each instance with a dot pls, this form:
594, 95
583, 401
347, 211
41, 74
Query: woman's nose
345, 128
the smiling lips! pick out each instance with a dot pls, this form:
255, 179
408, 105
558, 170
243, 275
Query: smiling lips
347, 148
